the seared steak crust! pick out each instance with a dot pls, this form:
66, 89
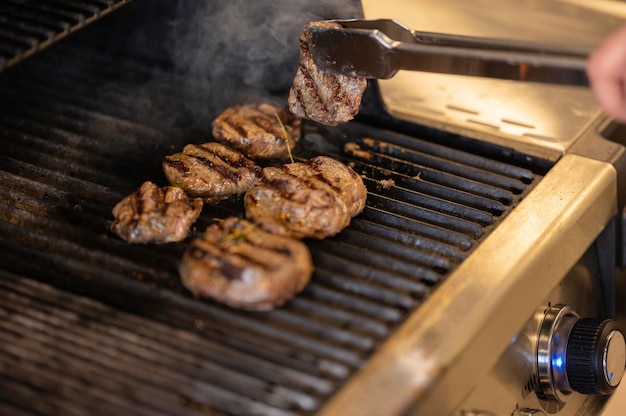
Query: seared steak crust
155, 215
343, 179
255, 130
320, 96
211, 171
306, 200
239, 264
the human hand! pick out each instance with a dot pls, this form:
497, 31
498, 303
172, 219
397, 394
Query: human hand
606, 69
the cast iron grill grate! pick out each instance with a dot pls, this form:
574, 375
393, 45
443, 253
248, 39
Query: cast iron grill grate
28, 26
92, 325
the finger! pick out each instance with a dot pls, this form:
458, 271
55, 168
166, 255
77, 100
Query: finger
606, 69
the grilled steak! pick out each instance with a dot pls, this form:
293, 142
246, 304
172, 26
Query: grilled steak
241, 265
260, 131
211, 171
320, 96
155, 215
315, 199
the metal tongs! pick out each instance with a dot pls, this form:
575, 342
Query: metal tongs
379, 48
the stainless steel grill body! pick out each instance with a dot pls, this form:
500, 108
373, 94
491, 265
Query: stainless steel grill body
419, 297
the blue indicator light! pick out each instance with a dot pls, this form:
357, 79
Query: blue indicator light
558, 362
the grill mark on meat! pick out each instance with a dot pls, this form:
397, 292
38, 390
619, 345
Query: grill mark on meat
232, 161
138, 204
320, 96
226, 267
260, 120
258, 131
317, 181
310, 80
312, 85
319, 175
226, 171
236, 123
200, 253
314, 199
176, 164
212, 171
230, 271
155, 215
241, 265
285, 187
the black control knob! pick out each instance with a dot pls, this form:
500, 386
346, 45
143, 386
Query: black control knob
595, 356
583, 355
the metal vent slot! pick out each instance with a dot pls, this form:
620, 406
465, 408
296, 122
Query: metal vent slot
27, 26
92, 325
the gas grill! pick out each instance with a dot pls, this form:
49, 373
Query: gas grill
428, 303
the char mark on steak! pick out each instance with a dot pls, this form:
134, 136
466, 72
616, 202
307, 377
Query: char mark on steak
260, 131
320, 96
211, 171
155, 215
239, 264
343, 179
313, 199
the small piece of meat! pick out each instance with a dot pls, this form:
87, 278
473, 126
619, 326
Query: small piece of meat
353, 149
387, 183
258, 130
320, 96
314, 199
155, 215
239, 264
211, 171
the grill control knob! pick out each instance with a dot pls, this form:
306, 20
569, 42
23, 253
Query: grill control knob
595, 356
583, 355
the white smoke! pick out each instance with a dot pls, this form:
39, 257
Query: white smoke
236, 51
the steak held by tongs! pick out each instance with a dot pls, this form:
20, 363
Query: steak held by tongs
377, 49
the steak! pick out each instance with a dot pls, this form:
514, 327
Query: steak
260, 131
155, 215
320, 96
313, 199
239, 264
211, 171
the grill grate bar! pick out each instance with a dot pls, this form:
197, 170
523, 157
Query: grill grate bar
388, 269
96, 338
384, 203
406, 148
423, 229
385, 247
415, 241
333, 278
447, 207
31, 26
358, 305
296, 338
7, 408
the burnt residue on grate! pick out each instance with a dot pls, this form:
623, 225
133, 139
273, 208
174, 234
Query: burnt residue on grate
27, 27
90, 324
